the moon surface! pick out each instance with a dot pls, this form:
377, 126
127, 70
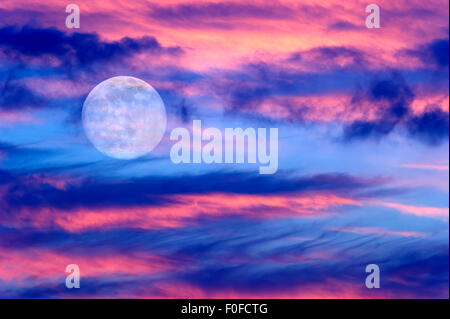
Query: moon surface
124, 117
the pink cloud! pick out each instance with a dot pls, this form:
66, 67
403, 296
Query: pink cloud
328, 289
424, 211
437, 167
9, 118
18, 265
184, 210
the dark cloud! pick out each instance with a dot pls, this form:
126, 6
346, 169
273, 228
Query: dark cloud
150, 191
390, 100
432, 126
439, 50
5, 177
364, 129
184, 110
75, 49
15, 96
435, 53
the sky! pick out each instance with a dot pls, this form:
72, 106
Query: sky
363, 170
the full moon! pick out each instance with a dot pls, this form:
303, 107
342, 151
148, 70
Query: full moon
124, 117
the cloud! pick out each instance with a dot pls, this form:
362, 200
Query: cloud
75, 49
225, 234
343, 26
330, 260
246, 90
439, 50
426, 166
221, 15
58, 57
432, 212
5, 177
387, 105
28, 192
24, 152
389, 99
15, 96
332, 57
225, 258
432, 126
435, 53
184, 211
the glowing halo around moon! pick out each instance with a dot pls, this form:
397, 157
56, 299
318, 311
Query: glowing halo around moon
124, 117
